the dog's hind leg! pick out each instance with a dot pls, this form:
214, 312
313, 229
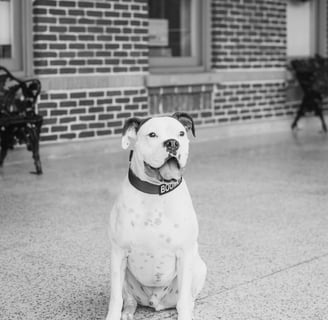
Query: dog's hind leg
134, 294
298, 116
318, 112
129, 300
323, 123
129, 306
171, 293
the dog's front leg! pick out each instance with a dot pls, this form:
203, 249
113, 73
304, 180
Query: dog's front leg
118, 267
185, 303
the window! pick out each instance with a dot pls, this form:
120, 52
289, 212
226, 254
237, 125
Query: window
176, 29
16, 35
10, 34
301, 28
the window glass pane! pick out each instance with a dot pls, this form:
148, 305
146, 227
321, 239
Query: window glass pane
299, 28
170, 29
5, 29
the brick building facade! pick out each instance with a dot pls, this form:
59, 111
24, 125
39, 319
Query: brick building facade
94, 62
77, 44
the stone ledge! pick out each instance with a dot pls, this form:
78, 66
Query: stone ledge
239, 75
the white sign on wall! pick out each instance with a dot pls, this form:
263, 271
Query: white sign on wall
158, 32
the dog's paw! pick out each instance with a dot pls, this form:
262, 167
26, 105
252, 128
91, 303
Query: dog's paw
113, 316
185, 317
127, 315
128, 311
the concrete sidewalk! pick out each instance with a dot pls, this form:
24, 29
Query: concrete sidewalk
261, 194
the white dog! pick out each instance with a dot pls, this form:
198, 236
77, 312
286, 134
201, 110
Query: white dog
153, 225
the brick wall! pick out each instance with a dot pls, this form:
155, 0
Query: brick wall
94, 36
80, 38
89, 113
248, 34
224, 103
250, 101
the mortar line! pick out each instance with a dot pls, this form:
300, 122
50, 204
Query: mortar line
265, 276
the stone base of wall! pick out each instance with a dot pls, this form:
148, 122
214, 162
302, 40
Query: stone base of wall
194, 99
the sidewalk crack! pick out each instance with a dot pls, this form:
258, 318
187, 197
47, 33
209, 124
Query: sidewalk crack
265, 276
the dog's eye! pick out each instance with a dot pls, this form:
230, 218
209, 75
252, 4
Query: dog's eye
181, 133
152, 135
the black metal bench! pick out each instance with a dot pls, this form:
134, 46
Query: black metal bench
312, 75
19, 122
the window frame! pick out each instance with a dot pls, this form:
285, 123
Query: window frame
322, 27
201, 45
21, 63
315, 30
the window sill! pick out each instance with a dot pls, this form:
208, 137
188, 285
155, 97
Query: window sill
194, 78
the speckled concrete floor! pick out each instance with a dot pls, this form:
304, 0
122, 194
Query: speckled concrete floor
261, 194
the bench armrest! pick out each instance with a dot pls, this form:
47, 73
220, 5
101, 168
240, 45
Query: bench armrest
312, 73
17, 96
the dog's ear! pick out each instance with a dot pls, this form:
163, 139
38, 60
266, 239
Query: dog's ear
186, 120
130, 130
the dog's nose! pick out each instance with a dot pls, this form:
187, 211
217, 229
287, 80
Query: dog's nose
171, 145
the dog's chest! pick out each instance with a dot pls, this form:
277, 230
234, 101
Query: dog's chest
154, 223
153, 229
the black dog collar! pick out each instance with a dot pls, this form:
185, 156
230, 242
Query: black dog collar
150, 188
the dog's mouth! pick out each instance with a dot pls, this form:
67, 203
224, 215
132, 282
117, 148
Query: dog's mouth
170, 171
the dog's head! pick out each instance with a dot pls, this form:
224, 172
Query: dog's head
160, 146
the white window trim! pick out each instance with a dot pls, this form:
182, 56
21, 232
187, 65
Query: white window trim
318, 44
22, 62
27, 22
322, 45
319, 30
15, 61
314, 27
